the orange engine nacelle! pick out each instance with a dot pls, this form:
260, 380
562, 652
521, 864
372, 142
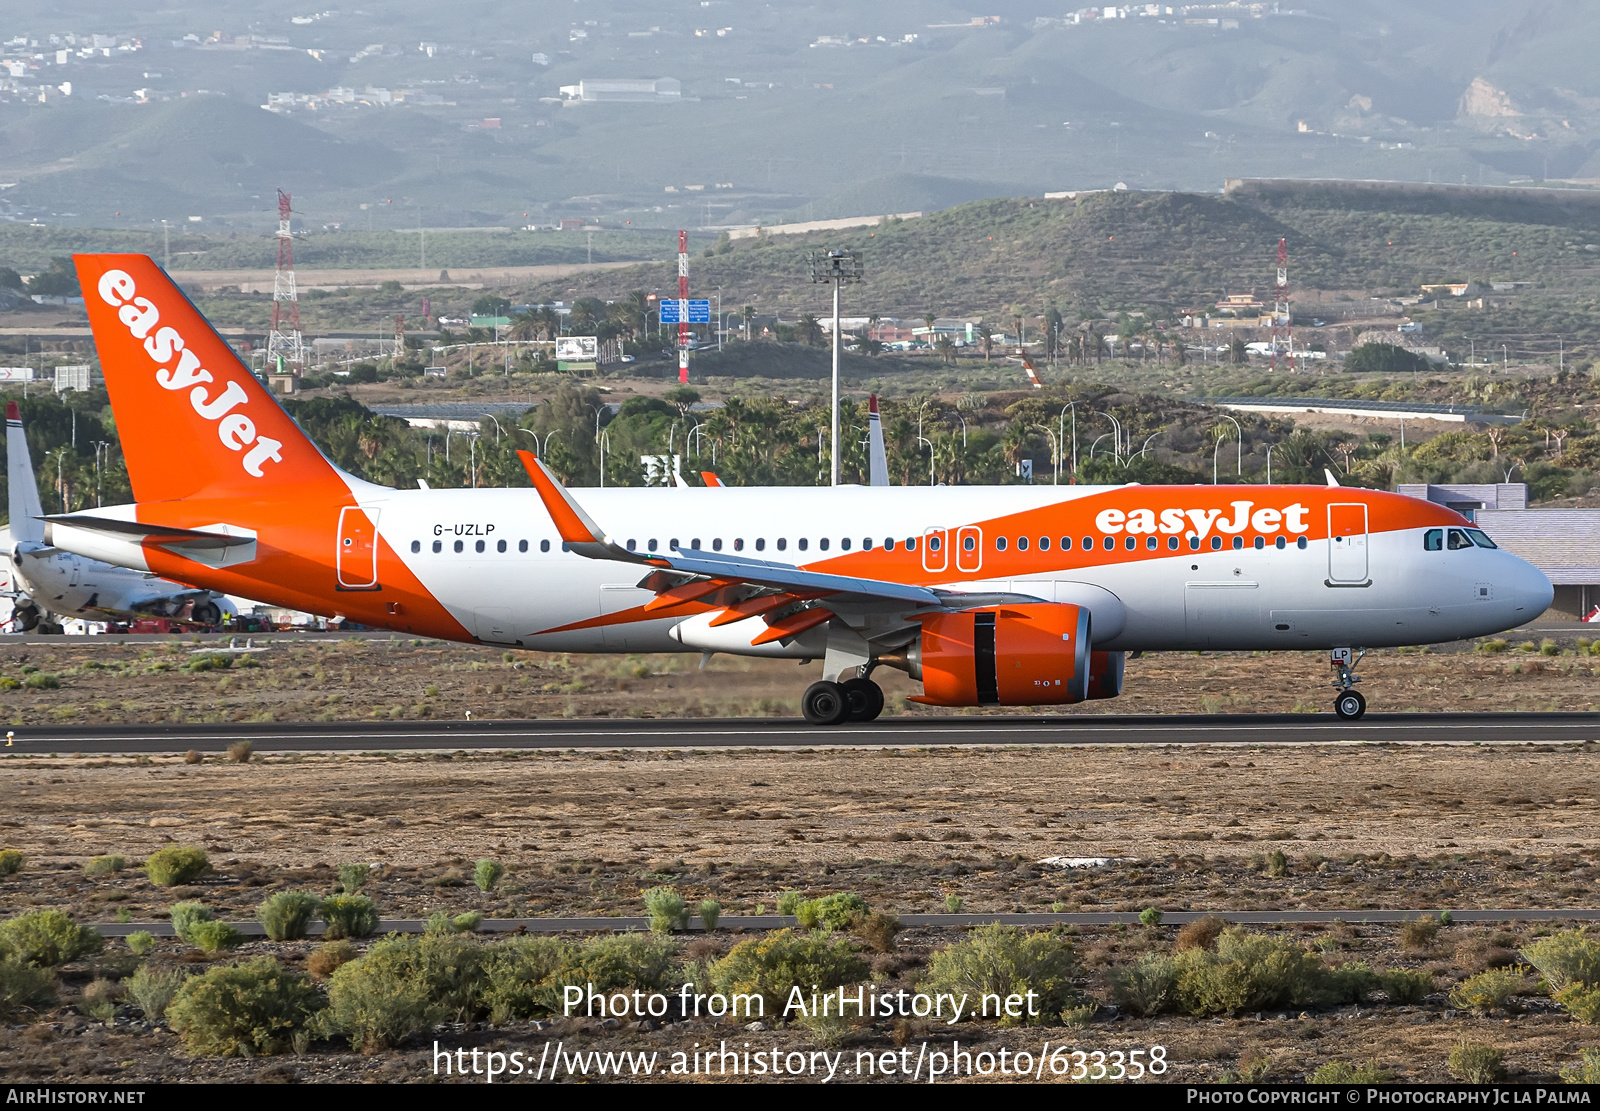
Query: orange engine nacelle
1105, 674
1026, 655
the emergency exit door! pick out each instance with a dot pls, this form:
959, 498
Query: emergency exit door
1347, 544
356, 554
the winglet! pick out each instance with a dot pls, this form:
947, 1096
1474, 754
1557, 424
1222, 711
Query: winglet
576, 527
1331, 480
711, 479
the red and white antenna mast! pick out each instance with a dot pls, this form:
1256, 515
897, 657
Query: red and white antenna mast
284, 343
1282, 333
683, 306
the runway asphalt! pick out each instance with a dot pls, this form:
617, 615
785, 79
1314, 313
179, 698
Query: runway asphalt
918, 732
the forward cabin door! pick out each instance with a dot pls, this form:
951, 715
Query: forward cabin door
356, 551
1347, 544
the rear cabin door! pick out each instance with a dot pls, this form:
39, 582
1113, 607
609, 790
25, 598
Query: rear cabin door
356, 553
1347, 543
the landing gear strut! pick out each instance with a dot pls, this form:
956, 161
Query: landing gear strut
1348, 704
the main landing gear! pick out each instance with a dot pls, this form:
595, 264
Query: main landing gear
855, 700
1348, 704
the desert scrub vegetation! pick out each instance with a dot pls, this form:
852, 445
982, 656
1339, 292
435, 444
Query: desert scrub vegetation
831, 912
1406, 985
175, 864
771, 966
666, 909
1419, 933
710, 911
1586, 1070
998, 962
152, 989
253, 1009
285, 915
348, 916
1343, 1072
185, 915
46, 938
104, 865
24, 987
1489, 991
1566, 958
140, 942
353, 877
213, 936
10, 862
486, 874
328, 958
1477, 1064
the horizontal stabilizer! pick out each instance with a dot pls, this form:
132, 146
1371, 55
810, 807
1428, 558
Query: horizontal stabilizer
168, 536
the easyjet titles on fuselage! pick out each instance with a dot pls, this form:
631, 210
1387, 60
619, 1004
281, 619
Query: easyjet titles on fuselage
1199, 522
236, 430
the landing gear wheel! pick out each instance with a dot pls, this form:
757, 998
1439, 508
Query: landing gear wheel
27, 618
825, 703
865, 698
206, 613
1350, 705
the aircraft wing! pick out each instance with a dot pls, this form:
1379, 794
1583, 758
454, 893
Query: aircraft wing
744, 587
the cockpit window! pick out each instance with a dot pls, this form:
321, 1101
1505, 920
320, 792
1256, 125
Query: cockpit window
1458, 540
1433, 540
1480, 538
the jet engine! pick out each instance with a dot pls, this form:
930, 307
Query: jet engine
1036, 654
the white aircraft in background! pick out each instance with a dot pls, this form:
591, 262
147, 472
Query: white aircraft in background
46, 583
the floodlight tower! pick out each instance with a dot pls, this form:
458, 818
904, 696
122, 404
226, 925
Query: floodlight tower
1282, 333
837, 267
683, 306
284, 342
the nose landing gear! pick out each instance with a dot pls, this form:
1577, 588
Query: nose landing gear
1348, 704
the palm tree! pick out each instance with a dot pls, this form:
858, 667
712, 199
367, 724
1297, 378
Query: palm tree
946, 348
986, 339
810, 330
748, 312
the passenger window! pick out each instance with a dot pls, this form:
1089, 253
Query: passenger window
1066, 543
694, 545
1150, 543
478, 547
1044, 543
1238, 543
801, 543
1130, 543
632, 544
653, 544
1172, 543
738, 543
761, 544
866, 543
522, 545
1458, 540
500, 546
968, 543
1279, 544
544, 545
823, 544
1111, 543
1216, 543
716, 545
1260, 542
1194, 543
999, 543
1300, 542
416, 546
782, 543
1022, 543
673, 543
1433, 540
1088, 543
437, 547
888, 543
1480, 538
911, 543
459, 546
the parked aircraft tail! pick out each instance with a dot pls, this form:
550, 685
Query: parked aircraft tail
877, 460
26, 527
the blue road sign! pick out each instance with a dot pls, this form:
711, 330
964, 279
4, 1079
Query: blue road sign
699, 312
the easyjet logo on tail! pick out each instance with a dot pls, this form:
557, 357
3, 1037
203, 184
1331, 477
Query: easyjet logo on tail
164, 344
1200, 522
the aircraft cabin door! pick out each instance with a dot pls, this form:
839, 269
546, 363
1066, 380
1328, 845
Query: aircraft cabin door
935, 553
356, 549
1347, 545
969, 548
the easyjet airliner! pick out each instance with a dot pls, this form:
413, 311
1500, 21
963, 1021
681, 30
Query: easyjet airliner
1008, 595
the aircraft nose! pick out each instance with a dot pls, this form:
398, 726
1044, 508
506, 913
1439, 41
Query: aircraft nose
1532, 590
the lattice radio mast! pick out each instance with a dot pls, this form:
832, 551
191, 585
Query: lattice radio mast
1282, 332
284, 342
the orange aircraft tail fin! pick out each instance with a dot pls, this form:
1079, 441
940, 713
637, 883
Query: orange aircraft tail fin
190, 415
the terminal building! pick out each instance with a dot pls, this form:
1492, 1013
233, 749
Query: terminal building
1563, 543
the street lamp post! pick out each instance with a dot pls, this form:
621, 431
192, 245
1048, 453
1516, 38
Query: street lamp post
837, 267
1240, 467
1055, 451
1061, 433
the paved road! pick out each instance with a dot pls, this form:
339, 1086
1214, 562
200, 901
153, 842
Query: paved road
779, 921
1216, 729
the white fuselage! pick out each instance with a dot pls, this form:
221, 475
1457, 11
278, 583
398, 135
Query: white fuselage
65, 584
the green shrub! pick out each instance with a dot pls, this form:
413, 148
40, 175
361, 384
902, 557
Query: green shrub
1340, 1072
770, 966
451, 967
1583, 1003
1498, 644
7, 683
286, 914
214, 935
104, 865
952, 904
42, 681
1003, 960
1488, 991
46, 938
348, 916
1148, 986
1586, 1071
379, 999
789, 902
250, 1009
710, 912
616, 962
24, 988
516, 976
487, 873
1566, 958
1406, 985
666, 909
175, 864
140, 942
1419, 933
1277, 863
100, 998
1247, 972
808, 915
10, 862
827, 1031
831, 912
1477, 1064
352, 877
1150, 916
153, 989
1349, 983
185, 915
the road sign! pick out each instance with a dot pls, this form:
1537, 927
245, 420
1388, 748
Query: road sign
699, 311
